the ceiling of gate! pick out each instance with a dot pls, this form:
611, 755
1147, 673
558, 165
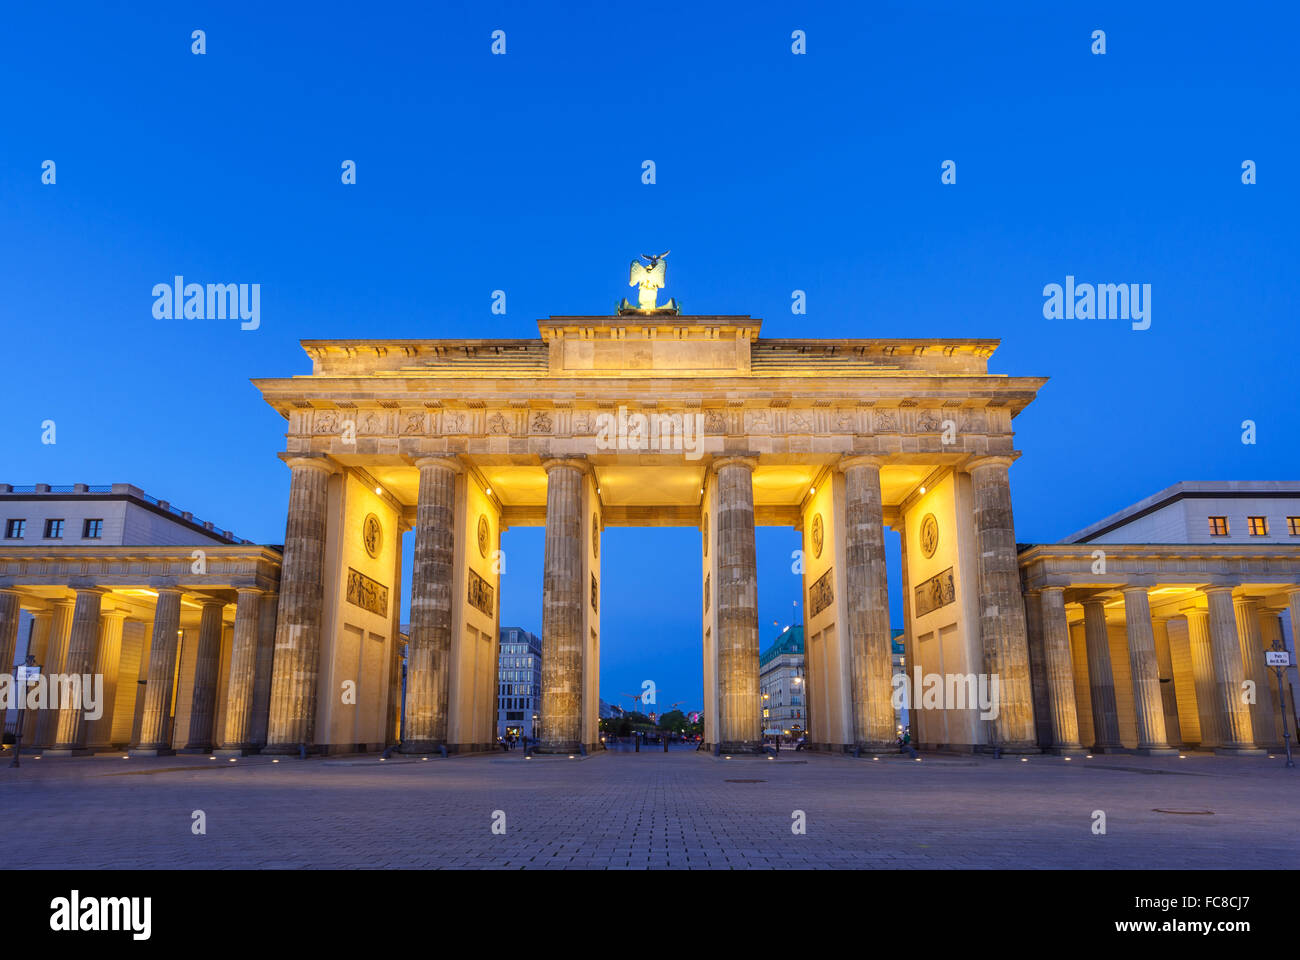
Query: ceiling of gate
632, 492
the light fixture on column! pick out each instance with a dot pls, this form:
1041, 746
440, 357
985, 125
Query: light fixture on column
489, 491
923, 489
811, 491
379, 491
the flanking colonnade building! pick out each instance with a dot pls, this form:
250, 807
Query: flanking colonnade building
651, 418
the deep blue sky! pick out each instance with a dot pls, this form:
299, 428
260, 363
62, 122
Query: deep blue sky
522, 172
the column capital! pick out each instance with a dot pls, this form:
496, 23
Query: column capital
1050, 589
255, 591
1128, 588
294, 461
571, 462
860, 460
211, 601
989, 461
1213, 588
448, 461
748, 460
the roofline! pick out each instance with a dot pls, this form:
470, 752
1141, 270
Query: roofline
1187, 490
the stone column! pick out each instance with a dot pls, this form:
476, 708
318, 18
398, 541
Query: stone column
866, 599
1002, 606
1101, 680
108, 658
1207, 697
1038, 668
296, 666
43, 724
266, 623
1238, 732
740, 720
10, 609
428, 664
1059, 673
1148, 705
237, 738
207, 666
1270, 638
1168, 694
1246, 610
154, 740
82, 639
562, 597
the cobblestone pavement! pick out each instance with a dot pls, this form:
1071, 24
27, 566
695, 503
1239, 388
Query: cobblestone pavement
650, 810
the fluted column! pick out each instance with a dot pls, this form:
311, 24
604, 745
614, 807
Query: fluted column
237, 737
1225, 647
1101, 680
266, 623
1038, 668
154, 740
1270, 638
1246, 610
1148, 706
562, 596
1059, 672
302, 596
1001, 604
44, 723
428, 665
739, 706
1208, 711
207, 666
1168, 693
108, 656
10, 610
82, 640
866, 598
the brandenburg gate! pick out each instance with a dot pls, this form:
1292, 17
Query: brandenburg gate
646, 417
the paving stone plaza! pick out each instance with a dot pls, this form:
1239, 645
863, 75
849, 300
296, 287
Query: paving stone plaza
680, 810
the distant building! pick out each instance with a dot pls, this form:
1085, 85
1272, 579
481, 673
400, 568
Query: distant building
519, 677
609, 711
781, 686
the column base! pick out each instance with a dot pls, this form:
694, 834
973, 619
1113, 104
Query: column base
235, 752
1116, 748
68, 752
286, 749
743, 746
151, 752
195, 750
1156, 752
420, 746
566, 747
1240, 752
1067, 751
1017, 748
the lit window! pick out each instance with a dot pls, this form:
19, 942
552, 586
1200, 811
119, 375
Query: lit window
1258, 526
53, 529
1218, 526
1293, 526
93, 530
14, 529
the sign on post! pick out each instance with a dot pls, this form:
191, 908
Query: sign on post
1277, 658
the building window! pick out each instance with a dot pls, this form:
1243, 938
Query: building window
14, 529
92, 530
1293, 526
53, 529
1218, 526
1258, 526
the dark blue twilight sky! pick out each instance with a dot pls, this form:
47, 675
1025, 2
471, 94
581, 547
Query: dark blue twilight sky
522, 172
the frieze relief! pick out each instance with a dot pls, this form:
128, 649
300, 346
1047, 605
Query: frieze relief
822, 593
938, 591
369, 595
482, 596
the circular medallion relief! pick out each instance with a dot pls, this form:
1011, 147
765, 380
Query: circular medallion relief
372, 534
929, 535
483, 533
818, 535
595, 536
